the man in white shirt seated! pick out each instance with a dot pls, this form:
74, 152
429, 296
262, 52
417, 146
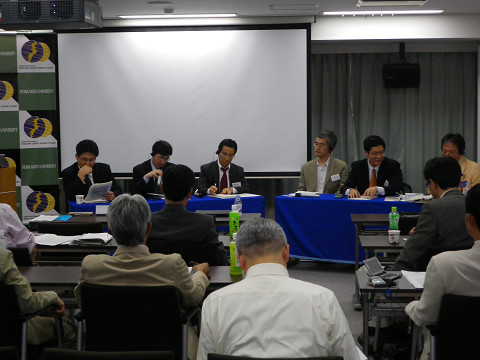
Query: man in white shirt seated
269, 314
450, 272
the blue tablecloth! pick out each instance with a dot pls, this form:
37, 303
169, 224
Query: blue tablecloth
321, 228
254, 204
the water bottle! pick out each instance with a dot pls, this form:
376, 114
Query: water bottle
3, 240
235, 268
233, 221
393, 218
238, 202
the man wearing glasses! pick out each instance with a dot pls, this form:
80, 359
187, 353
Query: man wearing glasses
223, 177
147, 176
82, 174
376, 175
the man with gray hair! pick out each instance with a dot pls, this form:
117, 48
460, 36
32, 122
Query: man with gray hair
132, 264
269, 314
325, 174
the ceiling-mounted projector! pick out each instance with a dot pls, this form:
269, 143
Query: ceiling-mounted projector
50, 14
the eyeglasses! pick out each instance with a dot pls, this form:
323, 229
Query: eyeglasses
449, 152
87, 160
377, 153
162, 158
225, 155
320, 145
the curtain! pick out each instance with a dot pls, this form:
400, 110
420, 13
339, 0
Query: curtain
348, 97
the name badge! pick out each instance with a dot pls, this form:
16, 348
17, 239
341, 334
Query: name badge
385, 183
237, 184
335, 177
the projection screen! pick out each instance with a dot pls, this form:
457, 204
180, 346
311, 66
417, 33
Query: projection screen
125, 90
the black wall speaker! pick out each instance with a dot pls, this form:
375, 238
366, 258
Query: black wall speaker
401, 75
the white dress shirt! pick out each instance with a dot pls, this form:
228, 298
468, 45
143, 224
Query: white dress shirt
17, 235
321, 175
268, 314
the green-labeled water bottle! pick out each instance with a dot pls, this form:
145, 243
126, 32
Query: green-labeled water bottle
233, 221
235, 268
393, 218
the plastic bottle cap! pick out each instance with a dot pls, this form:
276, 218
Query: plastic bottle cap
394, 208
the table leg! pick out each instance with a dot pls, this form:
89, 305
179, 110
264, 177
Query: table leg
356, 297
366, 317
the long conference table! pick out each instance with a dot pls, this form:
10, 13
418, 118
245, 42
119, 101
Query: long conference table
250, 204
320, 228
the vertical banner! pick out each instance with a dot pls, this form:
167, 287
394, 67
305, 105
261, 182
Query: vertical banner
29, 127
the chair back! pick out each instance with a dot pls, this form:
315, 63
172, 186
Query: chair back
67, 228
407, 221
230, 357
189, 252
62, 354
458, 328
10, 317
21, 256
132, 318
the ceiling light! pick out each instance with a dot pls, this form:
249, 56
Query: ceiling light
382, 12
362, 3
294, 7
169, 16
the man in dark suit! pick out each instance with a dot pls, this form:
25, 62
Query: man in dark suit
78, 177
147, 176
222, 176
376, 175
174, 224
441, 225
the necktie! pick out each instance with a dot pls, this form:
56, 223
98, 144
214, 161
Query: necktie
373, 179
223, 181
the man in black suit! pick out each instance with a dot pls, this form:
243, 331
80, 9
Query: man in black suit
174, 224
147, 176
78, 177
222, 176
376, 175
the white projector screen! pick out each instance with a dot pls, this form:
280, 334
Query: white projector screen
125, 90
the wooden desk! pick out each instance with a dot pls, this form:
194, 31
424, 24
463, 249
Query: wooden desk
370, 298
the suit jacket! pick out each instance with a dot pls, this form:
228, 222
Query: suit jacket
135, 266
210, 175
441, 227
40, 329
74, 186
308, 176
139, 186
470, 171
452, 272
174, 224
389, 176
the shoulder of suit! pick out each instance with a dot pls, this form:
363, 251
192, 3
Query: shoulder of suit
337, 161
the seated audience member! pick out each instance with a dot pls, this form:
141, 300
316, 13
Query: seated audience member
376, 175
16, 233
174, 224
451, 272
324, 174
132, 264
147, 176
268, 314
453, 145
40, 329
82, 174
222, 176
441, 224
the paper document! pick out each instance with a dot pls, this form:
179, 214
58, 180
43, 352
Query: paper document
96, 192
232, 196
363, 198
44, 218
90, 238
52, 239
412, 197
307, 194
416, 278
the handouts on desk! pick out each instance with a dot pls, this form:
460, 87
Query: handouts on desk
232, 196
307, 194
85, 239
416, 278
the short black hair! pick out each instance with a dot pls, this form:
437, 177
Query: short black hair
228, 143
472, 203
177, 181
162, 147
87, 146
455, 139
373, 141
331, 138
444, 171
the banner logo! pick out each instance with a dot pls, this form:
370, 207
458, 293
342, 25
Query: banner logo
36, 127
34, 51
6, 90
38, 202
9, 163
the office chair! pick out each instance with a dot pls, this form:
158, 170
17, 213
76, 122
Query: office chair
230, 357
457, 333
8, 353
14, 324
67, 354
134, 318
21, 256
67, 228
190, 252
406, 188
407, 221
